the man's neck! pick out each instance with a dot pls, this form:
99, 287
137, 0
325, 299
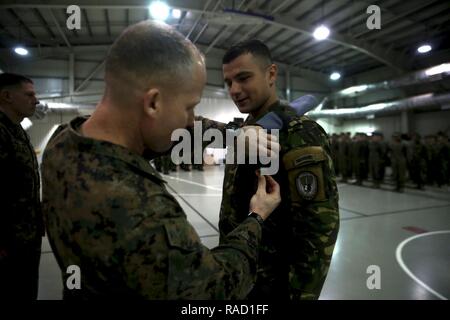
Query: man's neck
13, 116
108, 125
265, 107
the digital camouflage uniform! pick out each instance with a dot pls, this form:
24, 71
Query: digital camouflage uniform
298, 238
107, 211
21, 226
398, 163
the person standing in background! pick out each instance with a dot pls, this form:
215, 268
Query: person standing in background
21, 224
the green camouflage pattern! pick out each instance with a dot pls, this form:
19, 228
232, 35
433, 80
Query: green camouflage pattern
298, 238
21, 224
107, 210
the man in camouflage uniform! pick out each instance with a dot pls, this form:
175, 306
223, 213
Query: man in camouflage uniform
418, 161
344, 156
21, 225
398, 161
298, 242
108, 211
376, 154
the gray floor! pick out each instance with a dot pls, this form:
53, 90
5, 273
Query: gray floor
406, 235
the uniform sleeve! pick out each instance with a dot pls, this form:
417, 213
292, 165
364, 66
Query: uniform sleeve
314, 211
5, 222
191, 270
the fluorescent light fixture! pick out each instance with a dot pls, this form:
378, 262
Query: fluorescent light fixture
335, 76
424, 48
59, 105
176, 13
26, 123
159, 10
445, 67
321, 32
354, 89
21, 51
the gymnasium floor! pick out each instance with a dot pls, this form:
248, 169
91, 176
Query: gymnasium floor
398, 244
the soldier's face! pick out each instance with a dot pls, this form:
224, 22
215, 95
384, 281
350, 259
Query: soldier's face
176, 110
249, 83
23, 99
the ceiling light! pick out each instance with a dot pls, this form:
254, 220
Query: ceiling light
335, 76
354, 89
176, 13
445, 67
424, 48
21, 51
159, 10
321, 32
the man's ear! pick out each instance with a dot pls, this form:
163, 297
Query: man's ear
5, 95
273, 72
152, 102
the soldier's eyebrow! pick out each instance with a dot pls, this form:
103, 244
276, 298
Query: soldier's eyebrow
243, 73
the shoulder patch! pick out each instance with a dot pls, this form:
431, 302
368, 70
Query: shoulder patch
306, 183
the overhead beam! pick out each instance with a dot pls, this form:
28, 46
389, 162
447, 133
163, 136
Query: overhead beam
108, 28
206, 24
198, 19
93, 73
58, 27
394, 60
21, 23
222, 31
275, 10
85, 16
44, 22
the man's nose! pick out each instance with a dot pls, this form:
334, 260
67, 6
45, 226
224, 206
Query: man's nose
235, 89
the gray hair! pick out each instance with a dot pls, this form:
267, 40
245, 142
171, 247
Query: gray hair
150, 51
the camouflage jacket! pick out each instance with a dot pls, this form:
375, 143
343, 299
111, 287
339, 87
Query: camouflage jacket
299, 237
108, 211
21, 226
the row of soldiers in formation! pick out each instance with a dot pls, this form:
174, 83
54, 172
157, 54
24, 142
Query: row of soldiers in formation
424, 161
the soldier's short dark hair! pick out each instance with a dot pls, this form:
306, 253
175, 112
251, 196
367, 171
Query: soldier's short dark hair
254, 46
150, 51
377, 133
12, 79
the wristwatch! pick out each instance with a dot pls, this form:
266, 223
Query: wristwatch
257, 217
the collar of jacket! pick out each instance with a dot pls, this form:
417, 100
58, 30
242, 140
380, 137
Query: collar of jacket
7, 122
276, 106
109, 149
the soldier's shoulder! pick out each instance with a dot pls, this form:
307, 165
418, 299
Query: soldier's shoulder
307, 130
4, 133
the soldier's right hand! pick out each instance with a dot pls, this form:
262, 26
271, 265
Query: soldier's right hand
265, 144
267, 197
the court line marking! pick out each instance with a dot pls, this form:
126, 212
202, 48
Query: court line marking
195, 210
396, 212
355, 212
193, 183
209, 236
398, 256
